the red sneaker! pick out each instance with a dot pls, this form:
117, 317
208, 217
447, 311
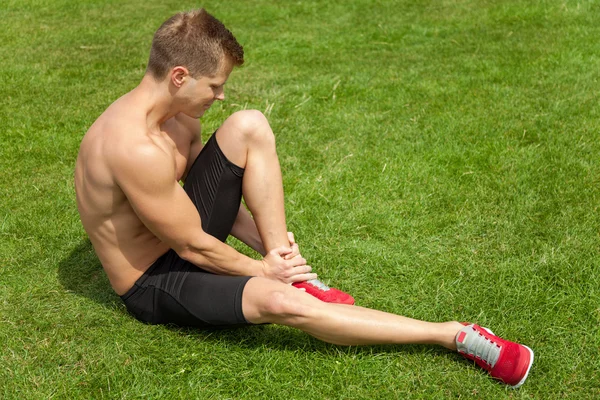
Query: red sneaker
507, 361
324, 293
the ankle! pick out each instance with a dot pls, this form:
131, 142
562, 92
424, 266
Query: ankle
448, 332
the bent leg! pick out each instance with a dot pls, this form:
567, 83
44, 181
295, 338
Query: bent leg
272, 302
214, 184
247, 140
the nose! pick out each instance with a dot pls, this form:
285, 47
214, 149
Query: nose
220, 95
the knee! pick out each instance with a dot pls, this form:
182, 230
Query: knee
252, 125
282, 305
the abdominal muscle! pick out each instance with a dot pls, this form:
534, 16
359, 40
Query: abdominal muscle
127, 255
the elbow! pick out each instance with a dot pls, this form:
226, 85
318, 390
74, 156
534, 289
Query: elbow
193, 250
189, 253
185, 253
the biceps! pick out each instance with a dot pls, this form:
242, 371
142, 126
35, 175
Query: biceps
170, 215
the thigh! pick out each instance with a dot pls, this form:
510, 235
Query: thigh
202, 300
174, 291
214, 185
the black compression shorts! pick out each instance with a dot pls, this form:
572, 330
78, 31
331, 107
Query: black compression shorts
175, 291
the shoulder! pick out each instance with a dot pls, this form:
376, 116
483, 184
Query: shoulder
141, 160
142, 151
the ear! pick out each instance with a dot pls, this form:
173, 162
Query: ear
178, 75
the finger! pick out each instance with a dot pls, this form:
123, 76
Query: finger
295, 262
302, 269
303, 277
281, 251
290, 236
295, 252
292, 255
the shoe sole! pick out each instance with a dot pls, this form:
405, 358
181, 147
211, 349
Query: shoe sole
518, 385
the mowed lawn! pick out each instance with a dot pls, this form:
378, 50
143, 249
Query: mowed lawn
440, 160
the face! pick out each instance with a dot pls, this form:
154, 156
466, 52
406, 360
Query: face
197, 95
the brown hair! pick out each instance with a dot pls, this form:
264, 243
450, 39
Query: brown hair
195, 40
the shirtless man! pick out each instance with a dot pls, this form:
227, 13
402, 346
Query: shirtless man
162, 245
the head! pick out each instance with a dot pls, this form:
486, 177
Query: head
195, 53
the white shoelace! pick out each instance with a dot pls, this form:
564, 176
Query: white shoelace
318, 284
479, 346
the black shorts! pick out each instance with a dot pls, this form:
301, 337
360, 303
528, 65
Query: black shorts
175, 291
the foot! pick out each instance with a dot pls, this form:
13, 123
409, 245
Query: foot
507, 361
324, 293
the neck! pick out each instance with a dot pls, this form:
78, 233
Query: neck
157, 101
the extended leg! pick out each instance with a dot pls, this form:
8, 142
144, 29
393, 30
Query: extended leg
267, 301
272, 302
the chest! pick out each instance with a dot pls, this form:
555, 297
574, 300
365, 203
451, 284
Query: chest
181, 160
181, 154
179, 143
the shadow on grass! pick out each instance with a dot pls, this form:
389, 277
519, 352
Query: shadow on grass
282, 338
81, 273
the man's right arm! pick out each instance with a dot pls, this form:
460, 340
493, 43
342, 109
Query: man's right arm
147, 176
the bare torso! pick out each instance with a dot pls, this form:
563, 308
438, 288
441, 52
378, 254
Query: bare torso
124, 245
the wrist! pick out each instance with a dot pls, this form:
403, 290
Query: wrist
261, 270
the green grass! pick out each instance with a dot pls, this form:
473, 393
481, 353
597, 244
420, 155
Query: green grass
440, 161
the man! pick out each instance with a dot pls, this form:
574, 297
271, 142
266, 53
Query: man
162, 245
